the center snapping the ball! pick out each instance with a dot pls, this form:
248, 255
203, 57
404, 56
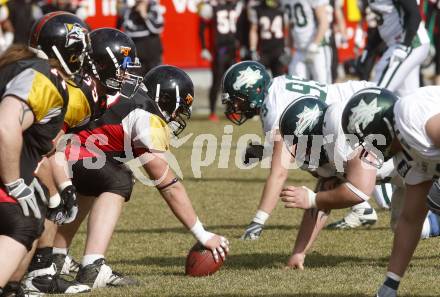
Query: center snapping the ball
200, 262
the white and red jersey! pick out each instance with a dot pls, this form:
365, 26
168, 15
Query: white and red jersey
420, 159
126, 130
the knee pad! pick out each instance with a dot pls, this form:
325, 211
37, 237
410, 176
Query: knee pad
433, 198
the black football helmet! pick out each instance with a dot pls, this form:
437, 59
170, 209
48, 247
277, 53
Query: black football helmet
299, 123
369, 112
62, 36
112, 59
173, 91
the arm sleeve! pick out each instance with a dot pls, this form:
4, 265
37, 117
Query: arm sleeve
202, 26
412, 19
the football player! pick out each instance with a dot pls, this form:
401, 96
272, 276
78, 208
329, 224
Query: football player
221, 16
137, 127
408, 130
267, 35
400, 27
84, 105
310, 34
33, 104
249, 91
312, 131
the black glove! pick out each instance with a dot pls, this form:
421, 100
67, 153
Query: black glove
25, 197
67, 209
253, 151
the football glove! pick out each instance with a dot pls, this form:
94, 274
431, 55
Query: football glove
67, 209
385, 291
25, 197
253, 151
311, 52
206, 55
399, 54
253, 231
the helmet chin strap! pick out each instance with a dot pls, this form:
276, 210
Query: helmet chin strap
60, 58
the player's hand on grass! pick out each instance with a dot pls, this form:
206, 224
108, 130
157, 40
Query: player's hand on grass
219, 245
253, 231
298, 197
296, 261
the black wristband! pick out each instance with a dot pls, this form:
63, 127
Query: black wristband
175, 180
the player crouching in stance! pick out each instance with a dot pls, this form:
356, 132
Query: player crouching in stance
134, 127
249, 91
407, 129
313, 134
34, 100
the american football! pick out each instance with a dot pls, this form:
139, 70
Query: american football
200, 262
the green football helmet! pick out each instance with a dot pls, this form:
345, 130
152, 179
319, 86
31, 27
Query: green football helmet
299, 123
244, 87
367, 115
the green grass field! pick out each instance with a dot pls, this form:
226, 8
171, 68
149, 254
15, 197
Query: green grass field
151, 245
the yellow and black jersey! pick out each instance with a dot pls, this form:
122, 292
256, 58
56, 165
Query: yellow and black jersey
45, 92
84, 104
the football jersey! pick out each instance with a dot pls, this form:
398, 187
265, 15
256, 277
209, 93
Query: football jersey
34, 81
127, 129
391, 19
225, 15
84, 104
271, 23
286, 89
420, 158
302, 16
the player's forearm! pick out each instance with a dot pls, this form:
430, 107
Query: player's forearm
312, 223
253, 38
59, 168
340, 197
44, 174
202, 27
323, 25
11, 140
179, 203
412, 19
272, 190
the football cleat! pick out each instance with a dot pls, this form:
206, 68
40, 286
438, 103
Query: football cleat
100, 275
253, 231
356, 218
65, 264
46, 281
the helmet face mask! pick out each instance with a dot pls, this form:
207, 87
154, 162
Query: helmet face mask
244, 88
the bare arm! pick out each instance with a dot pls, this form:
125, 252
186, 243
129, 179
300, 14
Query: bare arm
15, 117
322, 19
253, 37
277, 177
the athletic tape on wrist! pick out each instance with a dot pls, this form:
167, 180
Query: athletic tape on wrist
357, 192
64, 185
311, 196
200, 233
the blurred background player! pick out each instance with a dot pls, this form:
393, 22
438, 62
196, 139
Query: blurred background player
23, 14
267, 35
432, 12
401, 28
221, 17
144, 23
6, 28
310, 33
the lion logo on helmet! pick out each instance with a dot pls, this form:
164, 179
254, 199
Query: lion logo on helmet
75, 33
247, 78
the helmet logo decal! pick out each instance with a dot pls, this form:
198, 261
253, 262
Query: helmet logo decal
308, 118
362, 114
75, 33
125, 50
189, 99
247, 78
